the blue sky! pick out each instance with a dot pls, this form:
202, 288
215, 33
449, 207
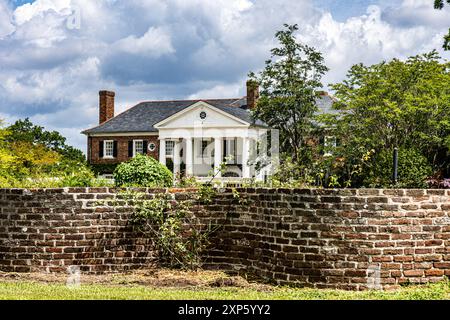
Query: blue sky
55, 55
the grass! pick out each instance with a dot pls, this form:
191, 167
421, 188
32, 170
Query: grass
32, 290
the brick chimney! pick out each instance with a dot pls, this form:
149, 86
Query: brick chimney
252, 94
106, 105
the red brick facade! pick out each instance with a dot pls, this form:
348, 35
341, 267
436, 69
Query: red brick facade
122, 148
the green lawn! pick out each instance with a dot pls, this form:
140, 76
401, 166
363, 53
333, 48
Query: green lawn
26, 290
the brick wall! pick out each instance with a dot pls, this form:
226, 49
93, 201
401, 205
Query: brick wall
122, 148
318, 238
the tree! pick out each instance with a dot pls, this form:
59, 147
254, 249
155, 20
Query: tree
289, 89
439, 5
26, 131
404, 104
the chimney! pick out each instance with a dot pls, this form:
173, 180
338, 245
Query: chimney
252, 94
106, 105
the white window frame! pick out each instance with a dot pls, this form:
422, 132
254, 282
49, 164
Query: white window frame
168, 152
134, 147
329, 143
105, 148
150, 144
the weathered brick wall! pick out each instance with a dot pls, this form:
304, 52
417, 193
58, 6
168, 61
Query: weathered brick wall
338, 238
48, 230
320, 238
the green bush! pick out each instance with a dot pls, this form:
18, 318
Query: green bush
413, 170
83, 177
142, 171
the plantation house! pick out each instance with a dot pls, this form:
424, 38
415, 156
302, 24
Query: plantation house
191, 137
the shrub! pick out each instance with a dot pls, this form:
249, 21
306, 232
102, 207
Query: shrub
142, 171
83, 177
413, 170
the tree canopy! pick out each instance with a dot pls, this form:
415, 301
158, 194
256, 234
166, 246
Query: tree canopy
25, 131
289, 89
31, 156
403, 104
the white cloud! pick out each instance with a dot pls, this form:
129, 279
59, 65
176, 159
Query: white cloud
234, 90
40, 8
169, 49
6, 26
367, 39
155, 43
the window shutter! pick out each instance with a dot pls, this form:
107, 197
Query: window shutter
115, 149
100, 149
130, 149
145, 146
322, 145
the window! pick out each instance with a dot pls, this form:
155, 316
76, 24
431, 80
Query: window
329, 145
152, 147
203, 115
138, 147
169, 147
108, 149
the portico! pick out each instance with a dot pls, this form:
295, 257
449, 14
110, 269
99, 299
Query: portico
201, 138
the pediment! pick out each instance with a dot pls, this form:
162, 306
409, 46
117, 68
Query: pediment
201, 114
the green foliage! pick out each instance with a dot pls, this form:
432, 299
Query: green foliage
103, 168
289, 89
404, 104
80, 178
206, 193
142, 171
32, 157
26, 131
178, 237
413, 170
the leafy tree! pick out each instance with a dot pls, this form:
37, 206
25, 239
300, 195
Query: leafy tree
33, 157
289, 89
26, 131
413, 168
6, 157
439, 5
32, 160
403, 104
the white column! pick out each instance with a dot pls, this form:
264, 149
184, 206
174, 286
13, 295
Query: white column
217, 155
176, 158
245, 157
189, 155
162, 151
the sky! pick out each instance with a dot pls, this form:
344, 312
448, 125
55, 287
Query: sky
55, 55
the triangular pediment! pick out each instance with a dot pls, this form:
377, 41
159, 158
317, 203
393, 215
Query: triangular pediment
201, 114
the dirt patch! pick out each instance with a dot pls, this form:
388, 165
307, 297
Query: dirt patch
150, 277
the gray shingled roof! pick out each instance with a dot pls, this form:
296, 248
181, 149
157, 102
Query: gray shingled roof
325, 105
143, 116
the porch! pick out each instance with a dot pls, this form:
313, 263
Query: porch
202, 157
